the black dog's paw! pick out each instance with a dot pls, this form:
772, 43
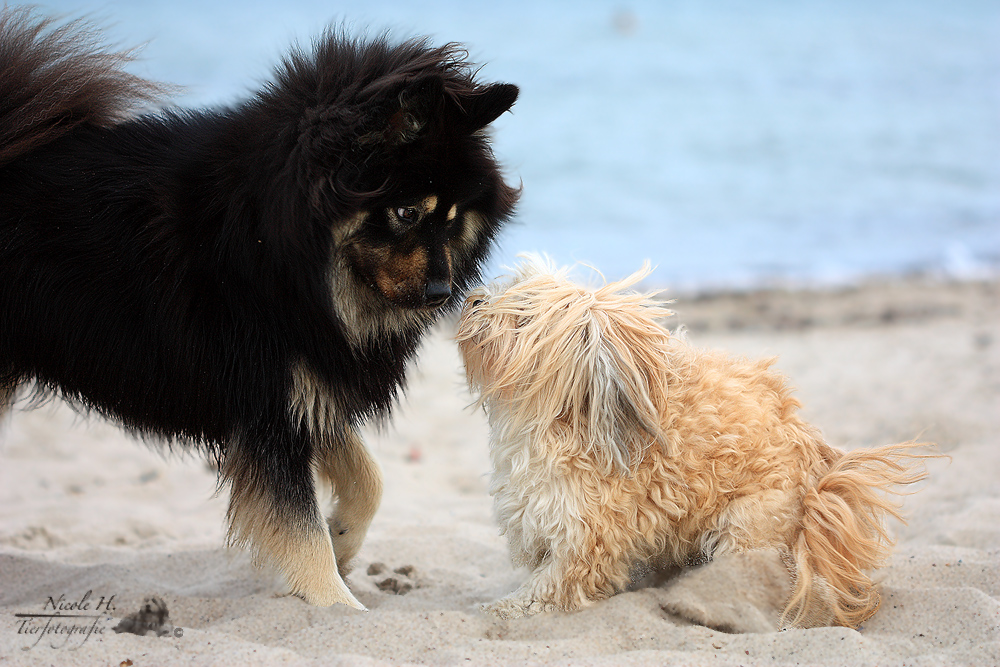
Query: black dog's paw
402, 584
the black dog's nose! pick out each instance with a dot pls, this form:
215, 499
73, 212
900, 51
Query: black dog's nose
437, 292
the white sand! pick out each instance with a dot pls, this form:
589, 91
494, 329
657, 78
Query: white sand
83, 508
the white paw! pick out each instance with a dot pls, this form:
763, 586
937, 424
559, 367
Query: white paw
512, 607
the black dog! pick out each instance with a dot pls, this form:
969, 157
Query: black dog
250, 280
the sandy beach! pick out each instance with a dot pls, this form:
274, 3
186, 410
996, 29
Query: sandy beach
92, 523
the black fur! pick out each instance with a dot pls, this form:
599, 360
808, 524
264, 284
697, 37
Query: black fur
171, 271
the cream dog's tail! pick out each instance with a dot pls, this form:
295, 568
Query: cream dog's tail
843, 535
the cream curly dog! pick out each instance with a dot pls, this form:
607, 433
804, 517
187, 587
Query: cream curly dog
615, 442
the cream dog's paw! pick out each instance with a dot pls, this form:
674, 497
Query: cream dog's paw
513, 607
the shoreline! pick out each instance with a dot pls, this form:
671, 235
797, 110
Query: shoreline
872, 302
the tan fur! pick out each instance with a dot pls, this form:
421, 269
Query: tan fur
6, 397
298, 547
365, 317
343, 460
312, 553
614, 442
357, 486
311, 402
428, 205
473, 223
399, 274
346, 228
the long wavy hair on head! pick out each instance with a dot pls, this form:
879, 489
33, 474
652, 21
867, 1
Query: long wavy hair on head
545, 353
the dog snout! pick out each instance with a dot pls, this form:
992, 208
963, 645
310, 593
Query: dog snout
436, 292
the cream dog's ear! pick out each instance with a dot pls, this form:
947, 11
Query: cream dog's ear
624, 419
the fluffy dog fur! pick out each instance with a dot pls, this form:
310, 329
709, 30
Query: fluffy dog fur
615, 443
250, 281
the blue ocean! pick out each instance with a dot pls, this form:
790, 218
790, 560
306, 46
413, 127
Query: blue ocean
733, 144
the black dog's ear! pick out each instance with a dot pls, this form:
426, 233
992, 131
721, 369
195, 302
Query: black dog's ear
419, 101
401, 110
424, 99
485, 106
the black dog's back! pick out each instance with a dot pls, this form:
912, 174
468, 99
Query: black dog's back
250, 280
83, 251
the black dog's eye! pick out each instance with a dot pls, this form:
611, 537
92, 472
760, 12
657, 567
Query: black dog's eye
477, 302
407, 214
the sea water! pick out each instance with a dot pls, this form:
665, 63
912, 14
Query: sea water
730, 143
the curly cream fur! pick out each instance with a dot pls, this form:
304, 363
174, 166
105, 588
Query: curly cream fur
614, 442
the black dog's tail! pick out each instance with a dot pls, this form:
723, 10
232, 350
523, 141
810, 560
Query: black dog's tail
56, 77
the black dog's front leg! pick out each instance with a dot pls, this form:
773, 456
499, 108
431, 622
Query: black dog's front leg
357, 487
274, 511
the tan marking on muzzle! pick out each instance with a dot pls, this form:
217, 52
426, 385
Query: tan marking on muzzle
403, 277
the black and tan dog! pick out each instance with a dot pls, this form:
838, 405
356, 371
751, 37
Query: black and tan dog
251, 280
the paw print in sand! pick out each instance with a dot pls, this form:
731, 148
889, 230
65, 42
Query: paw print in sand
402, 584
